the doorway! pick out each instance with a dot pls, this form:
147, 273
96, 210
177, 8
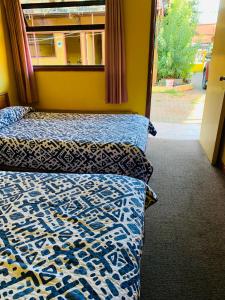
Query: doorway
182, 59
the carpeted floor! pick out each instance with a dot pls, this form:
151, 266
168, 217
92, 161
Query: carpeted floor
184, 252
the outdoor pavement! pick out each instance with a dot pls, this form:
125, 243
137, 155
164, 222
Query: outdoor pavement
178, 115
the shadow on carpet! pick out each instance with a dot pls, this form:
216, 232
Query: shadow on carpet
184, 251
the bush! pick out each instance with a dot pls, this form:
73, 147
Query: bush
176, 54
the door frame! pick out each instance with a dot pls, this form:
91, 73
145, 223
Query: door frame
220, 134
151, 57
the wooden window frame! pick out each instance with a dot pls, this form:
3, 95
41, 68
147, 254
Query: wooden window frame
80, 68
57, 28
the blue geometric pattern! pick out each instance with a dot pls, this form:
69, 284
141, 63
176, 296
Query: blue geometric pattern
77, 143
151, 129
70, 236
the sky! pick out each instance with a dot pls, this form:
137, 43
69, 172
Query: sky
208, 11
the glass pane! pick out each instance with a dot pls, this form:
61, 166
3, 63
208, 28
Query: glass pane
98, 49
65, 16
67, 48
73, 49
41, 45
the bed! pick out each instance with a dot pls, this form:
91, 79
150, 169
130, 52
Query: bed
71, 236
75, 143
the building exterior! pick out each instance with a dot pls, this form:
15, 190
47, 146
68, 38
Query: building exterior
204, 38
66, 48
205, 35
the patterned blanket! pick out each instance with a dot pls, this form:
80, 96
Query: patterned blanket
77, 143
70, 236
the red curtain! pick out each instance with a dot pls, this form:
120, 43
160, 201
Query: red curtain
24, 73
115, 65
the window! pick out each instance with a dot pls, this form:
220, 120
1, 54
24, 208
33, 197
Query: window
41, 45
65, 32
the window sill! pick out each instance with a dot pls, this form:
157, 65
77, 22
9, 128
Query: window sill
93, 68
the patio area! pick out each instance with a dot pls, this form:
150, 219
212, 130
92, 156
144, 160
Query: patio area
178, 115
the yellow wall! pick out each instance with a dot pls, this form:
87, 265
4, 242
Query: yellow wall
197, 68
96, 20
86, 90
199, 64
7, 81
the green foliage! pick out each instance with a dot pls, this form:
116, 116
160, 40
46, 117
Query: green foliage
172, 93
176, 54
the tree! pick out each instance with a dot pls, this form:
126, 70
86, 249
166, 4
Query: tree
176, 53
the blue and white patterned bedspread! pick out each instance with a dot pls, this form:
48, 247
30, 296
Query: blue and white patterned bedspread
70, 236
78, 143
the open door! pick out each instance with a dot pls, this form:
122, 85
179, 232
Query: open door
214, 112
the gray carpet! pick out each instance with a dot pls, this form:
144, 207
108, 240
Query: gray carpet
184, 252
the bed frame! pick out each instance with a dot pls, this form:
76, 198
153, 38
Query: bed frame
84, 111
4, 100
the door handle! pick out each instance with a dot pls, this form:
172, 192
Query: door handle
222, 78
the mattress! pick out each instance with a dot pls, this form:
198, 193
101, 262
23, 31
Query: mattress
76, 143
67, 236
